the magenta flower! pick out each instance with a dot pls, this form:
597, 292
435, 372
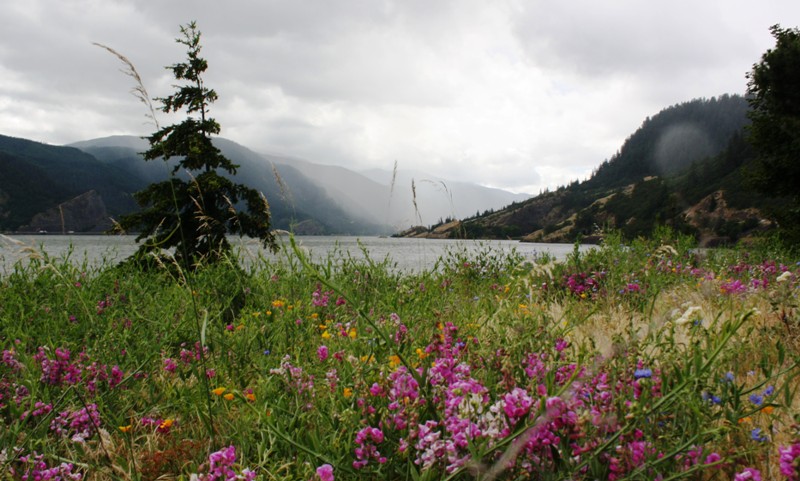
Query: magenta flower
749, 474
322, 353
325, 472
790, 461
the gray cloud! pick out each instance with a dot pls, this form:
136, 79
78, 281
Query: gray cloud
519, 95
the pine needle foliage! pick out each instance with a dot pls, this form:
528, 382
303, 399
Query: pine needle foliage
194, 213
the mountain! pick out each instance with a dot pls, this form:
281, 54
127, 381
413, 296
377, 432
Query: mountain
686, 167
44, 187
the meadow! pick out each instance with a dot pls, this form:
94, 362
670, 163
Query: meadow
648, 360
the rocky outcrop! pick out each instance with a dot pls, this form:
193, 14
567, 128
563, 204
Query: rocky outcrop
84, 213
718, 223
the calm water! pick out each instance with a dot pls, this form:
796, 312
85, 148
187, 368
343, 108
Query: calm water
408, 254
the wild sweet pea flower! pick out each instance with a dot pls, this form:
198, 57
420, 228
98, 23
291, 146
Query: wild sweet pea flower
322, 353
325, 472
790, 461
749, 474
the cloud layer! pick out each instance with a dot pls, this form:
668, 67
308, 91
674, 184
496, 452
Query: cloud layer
521, 95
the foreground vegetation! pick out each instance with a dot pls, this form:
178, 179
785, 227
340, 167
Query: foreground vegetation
641, 361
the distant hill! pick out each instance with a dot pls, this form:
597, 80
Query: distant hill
39, 183
685, 167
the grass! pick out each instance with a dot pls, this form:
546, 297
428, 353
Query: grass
641, 361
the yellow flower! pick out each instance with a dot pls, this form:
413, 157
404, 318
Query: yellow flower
125, 429
256, 314
326, 335
269, 313
347, 392
229, 396
422, 354
315, 316
166, 424
353, 334
218, 391
394, 361
277, 303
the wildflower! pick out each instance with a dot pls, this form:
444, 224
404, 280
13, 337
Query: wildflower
249, 395
642, 373
713, 458
229, 396
322, 353
767, 410
756, 435
352, 333
325, 472
749, 474
326, 335
126, 428
218, 391
170, 365
347, 392
278, 303
790, 461
756, 399
729, 376
786, 276
221, 467
165, 426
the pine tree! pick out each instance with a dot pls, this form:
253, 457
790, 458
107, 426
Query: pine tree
775, 131
194, 216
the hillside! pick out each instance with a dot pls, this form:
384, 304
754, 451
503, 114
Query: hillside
685, 167
53, 188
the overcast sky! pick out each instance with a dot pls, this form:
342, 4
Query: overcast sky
515, 94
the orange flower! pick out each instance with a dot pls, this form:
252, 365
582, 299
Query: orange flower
250, 396
166, 424
347, 392
746, 419
767, 409
218, 391
229, 396
125, 429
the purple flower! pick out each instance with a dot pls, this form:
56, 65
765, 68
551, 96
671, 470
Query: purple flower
642, 373
756, 435
325, 472
749, 474
756, 399
322, 353
789, 463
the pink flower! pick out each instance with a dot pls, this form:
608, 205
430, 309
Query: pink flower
789, 463
325, 472
322, 353
749, 474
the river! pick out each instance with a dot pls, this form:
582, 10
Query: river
408, 254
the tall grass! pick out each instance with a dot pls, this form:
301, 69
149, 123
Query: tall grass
642, 361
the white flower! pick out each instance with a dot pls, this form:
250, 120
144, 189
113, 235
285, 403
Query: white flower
686, 317
787, 275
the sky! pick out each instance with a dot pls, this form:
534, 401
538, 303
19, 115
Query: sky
515, 94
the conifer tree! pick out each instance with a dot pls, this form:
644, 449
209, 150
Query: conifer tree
774, 96
193, 216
